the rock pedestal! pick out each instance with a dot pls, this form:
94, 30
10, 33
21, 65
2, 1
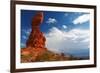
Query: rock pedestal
35, 45
36, 38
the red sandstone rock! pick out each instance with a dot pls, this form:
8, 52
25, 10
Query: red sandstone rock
37, 19
35, 45
36, 38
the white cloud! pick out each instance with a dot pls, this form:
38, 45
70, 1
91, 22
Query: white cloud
27, 32
60, 41
81, 19
64, 26
51, 21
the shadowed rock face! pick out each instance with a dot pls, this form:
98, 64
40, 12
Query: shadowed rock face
37, 19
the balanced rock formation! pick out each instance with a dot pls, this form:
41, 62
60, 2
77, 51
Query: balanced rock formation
36, 38
35, 45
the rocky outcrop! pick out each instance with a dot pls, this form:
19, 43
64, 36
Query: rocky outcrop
36, 38
35, 45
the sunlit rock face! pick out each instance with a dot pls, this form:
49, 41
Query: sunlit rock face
36, 38
35, 44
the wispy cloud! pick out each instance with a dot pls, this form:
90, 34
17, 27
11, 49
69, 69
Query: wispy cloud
51, 21
64, 26
60, 41
26, 31
81, 19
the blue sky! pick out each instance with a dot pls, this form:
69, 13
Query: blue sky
64, 31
